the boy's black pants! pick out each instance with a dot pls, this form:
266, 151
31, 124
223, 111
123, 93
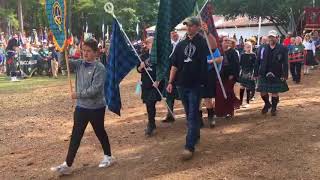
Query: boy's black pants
81, 119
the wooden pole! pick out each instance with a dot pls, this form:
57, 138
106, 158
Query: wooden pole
68, 70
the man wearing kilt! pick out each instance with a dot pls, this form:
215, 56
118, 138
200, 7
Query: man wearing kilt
272, 73
247, 64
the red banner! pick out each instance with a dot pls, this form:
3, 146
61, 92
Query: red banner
312, 16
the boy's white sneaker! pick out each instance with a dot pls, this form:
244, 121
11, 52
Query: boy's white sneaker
106, 162
62, 169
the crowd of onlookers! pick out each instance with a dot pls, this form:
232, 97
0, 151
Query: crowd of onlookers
25, 56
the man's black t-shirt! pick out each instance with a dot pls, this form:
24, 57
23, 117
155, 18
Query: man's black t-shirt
190, 58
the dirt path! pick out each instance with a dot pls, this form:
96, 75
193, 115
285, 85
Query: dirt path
36, 127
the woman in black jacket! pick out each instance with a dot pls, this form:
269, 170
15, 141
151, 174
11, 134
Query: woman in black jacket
229, 75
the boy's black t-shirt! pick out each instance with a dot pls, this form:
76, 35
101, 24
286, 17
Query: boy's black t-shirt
190, 58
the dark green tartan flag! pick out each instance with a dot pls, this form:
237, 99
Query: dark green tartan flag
171, 13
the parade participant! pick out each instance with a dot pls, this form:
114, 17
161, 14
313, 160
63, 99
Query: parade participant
209, 90
296, 59
262, 47
310, 53
229, 74
272, 73
171, 97
292, 44
189, 72
316, 40
247, 65
149, 95
253, 41
234, 46
91, 105
287, 40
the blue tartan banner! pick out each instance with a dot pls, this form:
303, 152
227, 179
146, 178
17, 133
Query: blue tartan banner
56, 11
122, 59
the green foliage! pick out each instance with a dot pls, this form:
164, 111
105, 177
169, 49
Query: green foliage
33, 13
8, 15
274, 10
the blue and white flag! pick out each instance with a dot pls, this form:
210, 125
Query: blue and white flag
122, 59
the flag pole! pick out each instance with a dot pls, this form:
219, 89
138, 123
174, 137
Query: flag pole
259, 30
109, 8
68, 69
210, 50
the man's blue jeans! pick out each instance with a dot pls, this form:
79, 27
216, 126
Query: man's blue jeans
190, 98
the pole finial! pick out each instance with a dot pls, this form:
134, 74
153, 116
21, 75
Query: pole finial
109, 8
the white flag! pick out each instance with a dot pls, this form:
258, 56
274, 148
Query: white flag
87, 27
137, 29
107, 38
103, 30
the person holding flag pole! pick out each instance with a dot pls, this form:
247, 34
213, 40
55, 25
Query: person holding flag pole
209, 91
89, 89
120, 57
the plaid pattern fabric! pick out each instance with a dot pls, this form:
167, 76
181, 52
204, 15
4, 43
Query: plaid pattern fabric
276, 86
207, 17
122, 59
296, 57
296, 54
171, 13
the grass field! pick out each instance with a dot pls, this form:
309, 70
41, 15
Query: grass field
7, 86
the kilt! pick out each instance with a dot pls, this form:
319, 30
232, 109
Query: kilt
150, 94
209, 90
275, 86
310, 60
246, 81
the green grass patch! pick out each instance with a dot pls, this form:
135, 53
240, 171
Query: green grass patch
30, 84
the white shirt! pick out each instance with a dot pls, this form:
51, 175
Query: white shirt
174, 45
309, 46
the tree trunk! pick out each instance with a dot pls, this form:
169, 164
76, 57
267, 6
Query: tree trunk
20, 17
